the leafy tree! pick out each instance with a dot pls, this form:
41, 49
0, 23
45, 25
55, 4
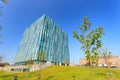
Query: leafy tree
41, 56
67, 62
106, 55
6, 2
1, 58
90, 40
6, 63
30, 61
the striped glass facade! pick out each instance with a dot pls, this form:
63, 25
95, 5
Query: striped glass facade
43, 35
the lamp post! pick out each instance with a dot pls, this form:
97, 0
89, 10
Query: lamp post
73, 77
15, 77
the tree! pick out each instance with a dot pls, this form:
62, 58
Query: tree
90, 40
6, 63
106, 55
41, 56
30, 61
67, 62
0, 34
1, 58
6, 2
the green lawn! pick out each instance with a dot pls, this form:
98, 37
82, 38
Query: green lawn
64, 73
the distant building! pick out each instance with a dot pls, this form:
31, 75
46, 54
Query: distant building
43, 35
115, 60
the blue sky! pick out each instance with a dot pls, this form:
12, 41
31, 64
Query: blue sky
68, 14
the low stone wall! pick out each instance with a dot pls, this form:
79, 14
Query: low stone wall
40, 66
1, 68
13, 68
26, 68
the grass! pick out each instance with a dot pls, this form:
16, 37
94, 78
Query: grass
64, 73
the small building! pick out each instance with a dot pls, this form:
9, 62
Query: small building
115, 62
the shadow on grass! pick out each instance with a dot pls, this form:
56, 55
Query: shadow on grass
101, 74
49, 78
2, 76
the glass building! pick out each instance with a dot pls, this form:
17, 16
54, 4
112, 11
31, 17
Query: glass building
43, 35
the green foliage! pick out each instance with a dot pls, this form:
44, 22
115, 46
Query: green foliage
90, 40
41, 56
30, 61
6, 64
67, 62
